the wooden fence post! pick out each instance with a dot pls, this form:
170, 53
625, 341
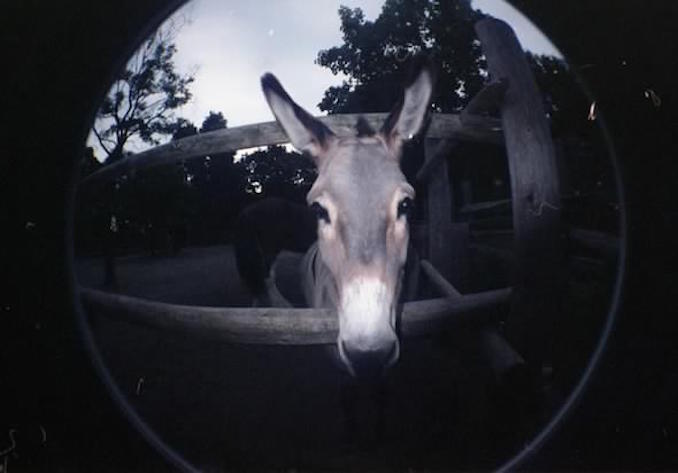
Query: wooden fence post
535, 194
439, 199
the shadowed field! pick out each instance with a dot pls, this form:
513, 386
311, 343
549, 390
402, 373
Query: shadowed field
262, 407
197, 276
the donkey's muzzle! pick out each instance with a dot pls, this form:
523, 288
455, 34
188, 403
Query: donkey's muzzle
370, 363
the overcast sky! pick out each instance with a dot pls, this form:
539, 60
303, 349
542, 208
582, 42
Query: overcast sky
230, 44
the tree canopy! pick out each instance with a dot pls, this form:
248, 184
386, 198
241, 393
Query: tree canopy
183, 129
143, 96
374, 55
213, 121
275, 171
206, 193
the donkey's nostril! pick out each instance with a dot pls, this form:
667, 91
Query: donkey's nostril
370, 362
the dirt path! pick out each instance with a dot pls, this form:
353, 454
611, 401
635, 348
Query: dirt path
197, 276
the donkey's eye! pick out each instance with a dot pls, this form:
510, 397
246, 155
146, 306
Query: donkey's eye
405, 207
320, 212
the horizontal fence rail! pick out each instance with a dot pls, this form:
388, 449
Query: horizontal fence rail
449, 126
281, 326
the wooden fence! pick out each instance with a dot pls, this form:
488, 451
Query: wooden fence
535, 202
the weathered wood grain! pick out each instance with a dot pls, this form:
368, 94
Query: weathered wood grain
439, 282
270, 133
280, 326
439, 203
438, 155
535, 193
490, 97
489, 205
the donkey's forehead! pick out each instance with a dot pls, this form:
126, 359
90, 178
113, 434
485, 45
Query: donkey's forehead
359, 167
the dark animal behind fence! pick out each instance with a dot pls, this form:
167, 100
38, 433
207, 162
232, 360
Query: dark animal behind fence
263, 230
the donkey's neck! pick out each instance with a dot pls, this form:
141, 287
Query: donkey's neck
320, 288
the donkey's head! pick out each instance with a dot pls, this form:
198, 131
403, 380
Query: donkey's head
362, 202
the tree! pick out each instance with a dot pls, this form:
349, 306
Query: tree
219, 166
209, 188
374, 54
143, 97
212, 186
277, 172
183, 129
213, 121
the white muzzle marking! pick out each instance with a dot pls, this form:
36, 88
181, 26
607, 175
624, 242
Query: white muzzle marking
366, 318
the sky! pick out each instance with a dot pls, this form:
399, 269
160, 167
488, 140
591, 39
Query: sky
229, 44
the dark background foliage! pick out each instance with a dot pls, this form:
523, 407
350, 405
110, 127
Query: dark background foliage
196, 202
60, 56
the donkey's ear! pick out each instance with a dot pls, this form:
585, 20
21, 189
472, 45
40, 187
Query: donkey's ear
407, 117
305, 132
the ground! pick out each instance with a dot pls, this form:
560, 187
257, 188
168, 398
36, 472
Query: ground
225, 406
197, 276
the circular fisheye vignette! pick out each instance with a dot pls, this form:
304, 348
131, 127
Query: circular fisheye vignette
615, 301
166, 452
532, 447
572, 400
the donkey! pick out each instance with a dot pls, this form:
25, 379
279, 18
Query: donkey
361, 201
